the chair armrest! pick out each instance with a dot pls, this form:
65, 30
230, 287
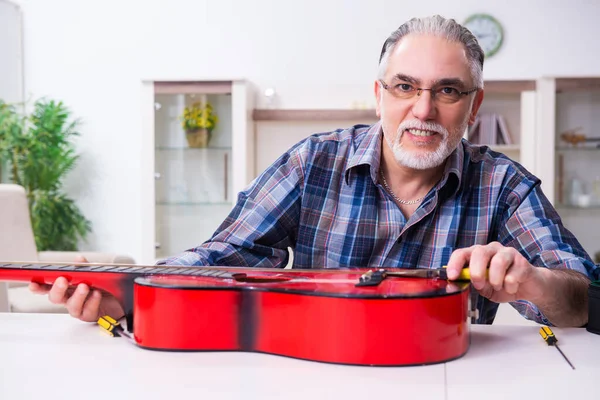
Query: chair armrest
90, 256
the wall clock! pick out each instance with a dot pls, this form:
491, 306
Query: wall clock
487, 30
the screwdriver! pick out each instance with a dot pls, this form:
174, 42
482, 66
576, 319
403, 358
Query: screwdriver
549, 337
112, 327
374, 278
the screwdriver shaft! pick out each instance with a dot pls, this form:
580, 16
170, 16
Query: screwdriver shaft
565, 357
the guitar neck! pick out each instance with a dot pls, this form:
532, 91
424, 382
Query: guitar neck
28, 271
112, 278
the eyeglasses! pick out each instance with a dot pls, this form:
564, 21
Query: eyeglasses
445, 94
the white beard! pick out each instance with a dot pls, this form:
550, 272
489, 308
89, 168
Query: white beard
429, 159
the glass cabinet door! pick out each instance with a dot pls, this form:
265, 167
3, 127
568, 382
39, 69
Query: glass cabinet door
578, 158
193, 169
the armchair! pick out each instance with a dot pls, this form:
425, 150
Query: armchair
17, 244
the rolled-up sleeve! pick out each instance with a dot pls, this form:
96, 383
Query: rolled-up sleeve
534, 228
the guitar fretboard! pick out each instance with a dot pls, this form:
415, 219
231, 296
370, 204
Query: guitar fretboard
124, 269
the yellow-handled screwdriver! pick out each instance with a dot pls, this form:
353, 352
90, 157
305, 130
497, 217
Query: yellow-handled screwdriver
441, 273
549, 337
113, 327
375, 277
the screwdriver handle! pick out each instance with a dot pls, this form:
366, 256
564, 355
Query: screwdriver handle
548, 335
465, 274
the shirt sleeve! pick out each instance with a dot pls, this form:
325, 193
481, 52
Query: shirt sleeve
261, 226
535, 229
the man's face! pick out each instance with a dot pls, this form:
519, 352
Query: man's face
423, 130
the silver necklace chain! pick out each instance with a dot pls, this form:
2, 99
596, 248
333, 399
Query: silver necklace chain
399, 200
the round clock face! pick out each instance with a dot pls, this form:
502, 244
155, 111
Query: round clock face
487, 30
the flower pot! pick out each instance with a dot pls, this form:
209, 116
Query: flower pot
198, 138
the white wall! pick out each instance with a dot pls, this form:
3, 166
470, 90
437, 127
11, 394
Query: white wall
315, 53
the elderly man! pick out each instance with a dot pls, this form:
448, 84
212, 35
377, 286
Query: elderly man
408, 191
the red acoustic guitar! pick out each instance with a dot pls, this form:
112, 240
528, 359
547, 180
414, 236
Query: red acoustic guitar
350, 316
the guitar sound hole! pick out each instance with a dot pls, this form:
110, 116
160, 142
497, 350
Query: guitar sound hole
259, 279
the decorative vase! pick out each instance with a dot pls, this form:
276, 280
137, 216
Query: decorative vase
198, 138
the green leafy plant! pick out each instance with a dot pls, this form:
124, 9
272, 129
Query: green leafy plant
38, 151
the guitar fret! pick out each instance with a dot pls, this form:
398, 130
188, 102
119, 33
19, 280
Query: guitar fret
161, 270
68, 268
176, 271
150, 270
83, 268
97, 268
122, 269
187, 271
110, 268
133, 269
168, 271
154, 270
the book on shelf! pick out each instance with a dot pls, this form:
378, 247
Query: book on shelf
490, 129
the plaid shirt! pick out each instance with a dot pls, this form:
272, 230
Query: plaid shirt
322, 199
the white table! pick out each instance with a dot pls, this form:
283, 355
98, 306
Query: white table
53, 356
513, 362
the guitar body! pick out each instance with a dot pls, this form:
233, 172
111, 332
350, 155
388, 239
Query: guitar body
316, 315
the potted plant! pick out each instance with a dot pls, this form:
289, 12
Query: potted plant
38, 153
198, 121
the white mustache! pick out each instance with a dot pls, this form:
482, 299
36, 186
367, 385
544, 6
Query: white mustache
421, 125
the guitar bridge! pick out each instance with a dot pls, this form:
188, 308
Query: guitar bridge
372, 278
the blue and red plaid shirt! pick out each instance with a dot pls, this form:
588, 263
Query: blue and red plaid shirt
323, 200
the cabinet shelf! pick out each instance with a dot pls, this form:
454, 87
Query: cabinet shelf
505, 147
172, 148
509, 86
313, 114
577, 84
581, 148
192, 203
570, 207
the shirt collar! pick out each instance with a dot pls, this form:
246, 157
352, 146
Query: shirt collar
368, 152
454, 168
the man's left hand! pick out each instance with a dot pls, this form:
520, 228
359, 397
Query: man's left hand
498, 273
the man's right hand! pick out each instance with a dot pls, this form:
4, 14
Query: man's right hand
81, 302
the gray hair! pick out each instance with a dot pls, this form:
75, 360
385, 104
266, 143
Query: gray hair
438, 26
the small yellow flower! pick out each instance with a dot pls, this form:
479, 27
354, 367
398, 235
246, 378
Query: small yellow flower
198, 116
